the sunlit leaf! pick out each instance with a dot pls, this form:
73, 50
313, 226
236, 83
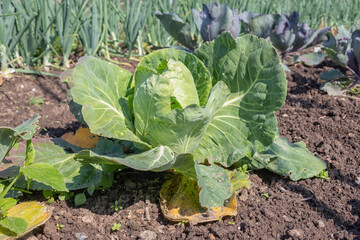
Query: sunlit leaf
45, 173
34, 213
14, 224
292, 160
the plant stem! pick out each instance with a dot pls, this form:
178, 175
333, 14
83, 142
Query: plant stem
3, 58
36, 72
3, 193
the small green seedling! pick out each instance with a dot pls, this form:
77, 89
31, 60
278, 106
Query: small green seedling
37, 101
182, 223
243, 168
265, 195
116, 226
65, 196
231, 223
116, 206
324, 175
59, 226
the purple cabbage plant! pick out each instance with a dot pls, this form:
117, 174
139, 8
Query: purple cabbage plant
213, 20
288, 35
344, 49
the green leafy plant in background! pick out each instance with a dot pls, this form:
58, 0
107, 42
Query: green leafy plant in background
93, 30
116, 11
199, 114
257, 24
137, 12
156, 35
68, 22
15, 224
10, 33
37, 33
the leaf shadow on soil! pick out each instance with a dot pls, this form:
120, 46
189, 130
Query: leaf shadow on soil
56, 132
303, 84
47, 85
315, 204
130, 187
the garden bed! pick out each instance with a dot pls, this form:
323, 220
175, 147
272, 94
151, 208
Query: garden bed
273, 208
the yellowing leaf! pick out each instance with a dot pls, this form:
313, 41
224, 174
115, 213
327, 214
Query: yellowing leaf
239, 180
180, 201
82, 138
34, 213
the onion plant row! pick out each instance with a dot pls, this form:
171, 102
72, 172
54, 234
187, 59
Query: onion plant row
41, 32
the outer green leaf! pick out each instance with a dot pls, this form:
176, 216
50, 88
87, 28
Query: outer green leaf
185, 165
46, 174
7, 140
154, 63
246, 122
331, 75
261, 25
89, 174
183, 129
250, 67
290, 159
215, 185
80, 199
28, 128
75, 108
333, 89
100, 87
7, 203
177, 28
312, 59
76, 176
14, 224
9, 136
157, 159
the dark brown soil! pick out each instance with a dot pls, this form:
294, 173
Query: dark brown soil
308, 209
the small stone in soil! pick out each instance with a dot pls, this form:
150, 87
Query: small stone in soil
288, 219
87, 219
282, 189
148, 235
80, 236
357, 180
320, 224
295, 233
